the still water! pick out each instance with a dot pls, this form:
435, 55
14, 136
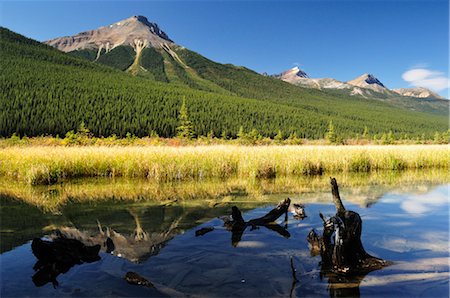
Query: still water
406, 223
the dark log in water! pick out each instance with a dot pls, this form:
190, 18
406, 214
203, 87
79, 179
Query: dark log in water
273, 215
237, 225
346, 254
58, 256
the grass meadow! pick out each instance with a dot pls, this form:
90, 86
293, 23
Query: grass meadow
40, 165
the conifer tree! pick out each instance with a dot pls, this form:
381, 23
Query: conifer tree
330, 136
365, 132
83, 131
185, 129
279, 137
241, 133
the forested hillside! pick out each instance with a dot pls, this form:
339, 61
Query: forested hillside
45, 91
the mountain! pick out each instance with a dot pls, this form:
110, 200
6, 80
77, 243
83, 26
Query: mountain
46, 91
291, 73
367, 86
300, 78
135, 31
368, 81
419, 92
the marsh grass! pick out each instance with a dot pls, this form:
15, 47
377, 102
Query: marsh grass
38, 165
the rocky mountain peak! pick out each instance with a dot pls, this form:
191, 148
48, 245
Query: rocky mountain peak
371, 79
134, 30
297, 72
292, 73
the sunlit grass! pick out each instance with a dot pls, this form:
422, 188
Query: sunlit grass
48, 165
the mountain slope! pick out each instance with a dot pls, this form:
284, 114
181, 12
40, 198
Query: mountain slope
45, 91
141, 48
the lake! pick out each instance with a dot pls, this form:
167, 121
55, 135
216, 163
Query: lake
405, 220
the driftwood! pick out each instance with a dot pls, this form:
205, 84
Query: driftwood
58, 256
346, 254
298, 211
237, 225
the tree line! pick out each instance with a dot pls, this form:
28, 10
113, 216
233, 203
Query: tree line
46, 92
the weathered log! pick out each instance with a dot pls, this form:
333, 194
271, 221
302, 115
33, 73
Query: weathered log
346, 253
237, 225
273, 215
298, 210
336, 197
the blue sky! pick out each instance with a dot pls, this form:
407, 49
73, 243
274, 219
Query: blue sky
339, 39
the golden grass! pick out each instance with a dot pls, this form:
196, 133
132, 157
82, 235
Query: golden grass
48, 165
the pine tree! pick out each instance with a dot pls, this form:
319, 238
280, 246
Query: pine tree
241, 133
224, 135
330, 136
185, 129
365, 132
279, 137
83, 131
390, 137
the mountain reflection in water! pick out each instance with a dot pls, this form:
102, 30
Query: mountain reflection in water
157, 240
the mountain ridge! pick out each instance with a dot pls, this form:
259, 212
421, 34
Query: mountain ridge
366, 85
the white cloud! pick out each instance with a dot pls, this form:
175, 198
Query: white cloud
422, 77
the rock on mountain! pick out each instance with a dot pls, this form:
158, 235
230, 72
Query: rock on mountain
419, 92
135, 31
368, 81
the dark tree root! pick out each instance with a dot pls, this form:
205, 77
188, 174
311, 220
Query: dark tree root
344, 258
237, 225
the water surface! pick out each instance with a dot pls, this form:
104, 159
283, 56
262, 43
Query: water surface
407, 223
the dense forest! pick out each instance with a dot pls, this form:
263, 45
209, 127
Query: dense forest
47, 92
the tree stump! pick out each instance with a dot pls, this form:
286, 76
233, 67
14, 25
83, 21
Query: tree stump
346, 253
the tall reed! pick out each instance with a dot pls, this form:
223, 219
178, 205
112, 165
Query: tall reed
48, 165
